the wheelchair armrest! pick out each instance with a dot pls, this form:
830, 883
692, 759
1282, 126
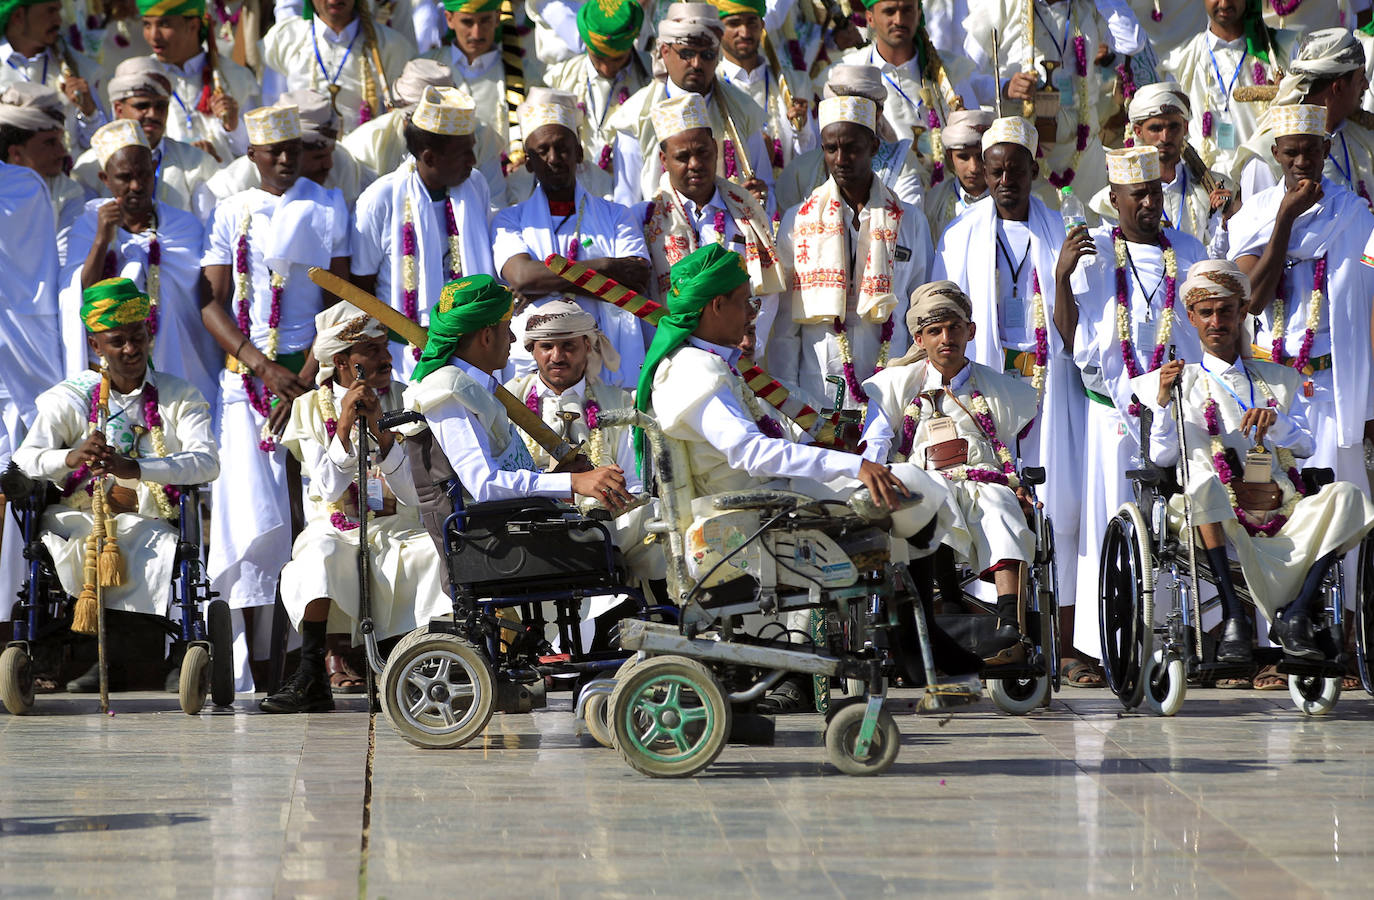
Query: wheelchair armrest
761, 499
1150, 476
16, 485
398, 417
1316, 478
1033, 475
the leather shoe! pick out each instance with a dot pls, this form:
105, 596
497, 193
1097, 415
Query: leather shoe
302, 693
1294, 635
86, 683
1236, 644
1004, 646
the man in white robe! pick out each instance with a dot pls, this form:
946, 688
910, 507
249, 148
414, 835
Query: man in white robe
1138, 264
152, 244
33, 52
332, 50
141, 91
563, 217
695, 206
1284, 540
928, 409
476, 67
965, 181
261, 311
209, 92
31, 136
157, 435
859, 252
1003, 252
319, 586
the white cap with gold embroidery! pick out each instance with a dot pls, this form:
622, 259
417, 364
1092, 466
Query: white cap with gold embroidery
1133, 165
1011, 130
678, 114
269, 125
859, 110
111, 138
1297, 118
445, 110
545, 106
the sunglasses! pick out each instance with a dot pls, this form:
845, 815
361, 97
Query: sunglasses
687, 54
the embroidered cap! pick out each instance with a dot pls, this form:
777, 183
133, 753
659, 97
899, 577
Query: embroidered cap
545, 106
859, 110
269, 125
1011, 130
445, 110
678, 114
109, 139
108, 304
1298, 118
1133, 165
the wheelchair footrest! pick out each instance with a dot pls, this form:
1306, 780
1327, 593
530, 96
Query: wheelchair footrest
1321, 668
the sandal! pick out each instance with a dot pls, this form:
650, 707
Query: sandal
1350, 682
1269, 679
1232, 684
1076, 673
343, 678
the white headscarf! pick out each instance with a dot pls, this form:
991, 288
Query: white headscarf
562, 319
338, 328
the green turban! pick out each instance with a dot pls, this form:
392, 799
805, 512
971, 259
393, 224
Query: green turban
108, 304
7, 8
175, 7
465, 306
472, 6
741, 7
610, 27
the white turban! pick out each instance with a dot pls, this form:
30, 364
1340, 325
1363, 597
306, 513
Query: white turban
318, 118
418, 75
139, 75
562, 319
31, 107
1321, 53
338, 328
1155, 99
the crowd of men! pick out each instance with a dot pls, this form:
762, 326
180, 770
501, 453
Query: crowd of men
975, 235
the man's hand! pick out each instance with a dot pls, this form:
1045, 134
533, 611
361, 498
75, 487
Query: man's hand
107, 222
631, 271
88, 452
758, 188
606, 484
282, 381
882, 484
799, 113
361, 398
1077, 244
1021, 86
1299, 199
111, 463
1168, 375
1261, 419
226, 109
208, 148
79, 92
1220, 200
1028, 501
576, 463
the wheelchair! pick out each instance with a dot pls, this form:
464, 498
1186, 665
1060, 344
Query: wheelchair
201, 635
1149, 656
440, 684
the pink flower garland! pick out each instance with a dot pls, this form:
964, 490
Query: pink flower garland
937, 170
154, 259
718, 221
851, 379
1080, 55
1309, 335
83, 471
410, 299
794, 50
1224, 472
1207, 123
731, 162
261, 401
604, 162
1123, 299
989, 429
152, 417
1127, 79
1260, 76
1284, 8
778, 161
532, 401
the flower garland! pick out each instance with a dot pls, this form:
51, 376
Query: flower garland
410, 285
982, 417
937, 148
1314, 318
851, 379
1212, 418
164, 495
1082, 111
324, 401
1123, 307
261, 401
154, 282
591, 414
731, 161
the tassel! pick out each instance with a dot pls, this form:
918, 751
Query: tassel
111, 567
84, 617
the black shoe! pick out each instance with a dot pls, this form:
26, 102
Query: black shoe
1294, 635
788, 697
88, 683
172, 683
951, 657
1237, 642
1004, 646
302, 693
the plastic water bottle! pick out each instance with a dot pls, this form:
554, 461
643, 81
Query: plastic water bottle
1072, 209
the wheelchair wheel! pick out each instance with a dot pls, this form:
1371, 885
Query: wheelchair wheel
1314, 695
16, 681
221, 635
594, 717
1018, 696
1125, 589
1164, 685
437, 690
620, 675
195, 679
1046, 581
842, 732
1364, 614
671, 718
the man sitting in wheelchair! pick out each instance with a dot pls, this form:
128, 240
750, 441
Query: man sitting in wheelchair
1245, 427
937, 409
116, 442
319, 586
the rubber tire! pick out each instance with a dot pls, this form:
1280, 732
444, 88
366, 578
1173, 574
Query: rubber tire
1169, 700
1125, 576
620, 674
594, 718
1364, 614
691, 674
220, 632
195, 679
16, 681
1314, 696
843, 729
420, 643
1017, 699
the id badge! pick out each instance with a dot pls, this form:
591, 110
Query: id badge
1226, 135
1259, 467
376, 487
1014, 313
1063, 82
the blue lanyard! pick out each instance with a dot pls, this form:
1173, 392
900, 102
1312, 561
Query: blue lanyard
184, 108
914, 104
1221, 85
318, 59
1347, 173
10, 61
1217, 379
1061, 45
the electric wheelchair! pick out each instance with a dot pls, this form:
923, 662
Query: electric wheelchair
1151, 652
201, 634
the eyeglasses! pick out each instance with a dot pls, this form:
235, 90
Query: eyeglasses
687, 54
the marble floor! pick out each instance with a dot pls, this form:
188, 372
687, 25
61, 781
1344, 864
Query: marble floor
1237, 796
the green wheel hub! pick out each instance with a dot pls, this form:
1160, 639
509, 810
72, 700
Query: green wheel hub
665, 713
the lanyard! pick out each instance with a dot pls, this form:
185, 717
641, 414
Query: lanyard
1221, 85
1347, 173
1249, 380
1150, 297
914, 104
1014, 269
1061, 45
318, 59
10, 61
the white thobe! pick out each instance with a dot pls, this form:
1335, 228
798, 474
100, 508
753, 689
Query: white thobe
183, 176
761, 83
599, 228
379, 147
1179, 20
599, 98
484, 80
187, 124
